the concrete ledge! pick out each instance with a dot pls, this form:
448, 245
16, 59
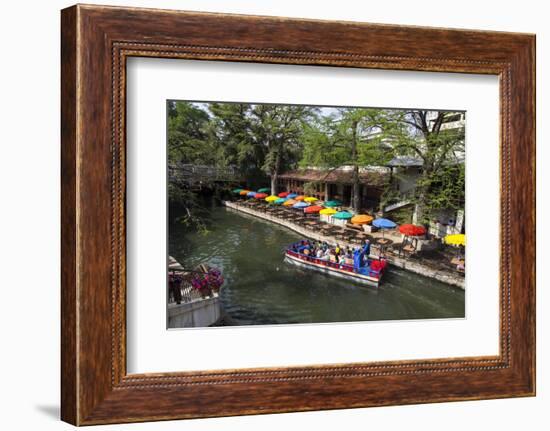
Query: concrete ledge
195, 314
416, 267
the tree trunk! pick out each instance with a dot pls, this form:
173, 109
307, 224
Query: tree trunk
275, 174
356, 198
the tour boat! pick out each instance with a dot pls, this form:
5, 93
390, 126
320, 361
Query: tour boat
364, 270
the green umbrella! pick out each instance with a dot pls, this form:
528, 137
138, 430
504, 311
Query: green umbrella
237, 191
331, 204
264, 190
343, 215
280, 201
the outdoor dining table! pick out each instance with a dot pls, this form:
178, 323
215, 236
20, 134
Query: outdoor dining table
384, 241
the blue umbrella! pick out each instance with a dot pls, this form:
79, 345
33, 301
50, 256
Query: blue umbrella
383, 223
300, 205
292, 195
251, 194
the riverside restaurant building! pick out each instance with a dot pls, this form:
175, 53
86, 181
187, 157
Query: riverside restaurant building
336, 184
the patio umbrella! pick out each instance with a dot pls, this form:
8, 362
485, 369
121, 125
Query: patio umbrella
300, 205
260, 195
456, 239
291, 195
362, 219
310, 199
343, 215
244, 192
289, 203
280, 201
299, 198
264, 190
283, 194
412, 230
333, 203
271, 198
313, 209
251, 194
328, 211
383, 223
237, 191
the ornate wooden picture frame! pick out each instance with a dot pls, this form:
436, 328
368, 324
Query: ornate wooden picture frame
96, 41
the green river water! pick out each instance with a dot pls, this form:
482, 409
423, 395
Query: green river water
260, 288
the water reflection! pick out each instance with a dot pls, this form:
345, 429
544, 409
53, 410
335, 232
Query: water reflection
260, 288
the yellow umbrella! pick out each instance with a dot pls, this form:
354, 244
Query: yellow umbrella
361, 219
244, 192
310, 199
289, 202
328, 211
271, 198
456, 239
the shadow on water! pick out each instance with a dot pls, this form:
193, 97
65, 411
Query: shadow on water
260, 288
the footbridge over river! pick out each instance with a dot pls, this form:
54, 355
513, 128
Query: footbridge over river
199, 176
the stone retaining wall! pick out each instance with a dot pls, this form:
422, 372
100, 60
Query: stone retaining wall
416, 267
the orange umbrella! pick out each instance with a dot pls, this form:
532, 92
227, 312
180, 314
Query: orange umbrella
299, 198
289, 203
244, 192
361, 219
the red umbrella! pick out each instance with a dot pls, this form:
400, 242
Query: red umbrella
313, 209
283, 194
260, 195
412, 230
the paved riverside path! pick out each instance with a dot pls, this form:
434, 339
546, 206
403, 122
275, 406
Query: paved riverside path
401, 262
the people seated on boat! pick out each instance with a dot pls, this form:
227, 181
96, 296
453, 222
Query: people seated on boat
320, 253
342, 259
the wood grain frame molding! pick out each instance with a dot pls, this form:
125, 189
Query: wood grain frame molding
96, 41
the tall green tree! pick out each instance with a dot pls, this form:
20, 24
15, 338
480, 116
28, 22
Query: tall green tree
349, 137
279, 129
441, 151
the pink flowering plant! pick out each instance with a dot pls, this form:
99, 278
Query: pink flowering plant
207, 282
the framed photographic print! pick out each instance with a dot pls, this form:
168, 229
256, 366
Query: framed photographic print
265, 214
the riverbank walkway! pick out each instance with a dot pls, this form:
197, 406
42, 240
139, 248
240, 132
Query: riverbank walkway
386, 245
